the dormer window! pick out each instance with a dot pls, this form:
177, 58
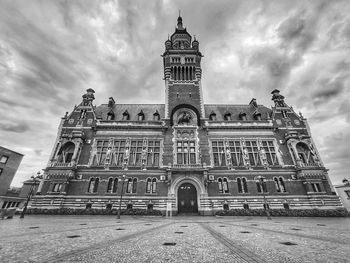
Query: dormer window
257, 116
141, 116
227, 116
243, 116
212, 116
126, 116
110, 116
156, 116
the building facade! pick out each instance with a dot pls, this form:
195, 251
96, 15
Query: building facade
184, 156
9, 163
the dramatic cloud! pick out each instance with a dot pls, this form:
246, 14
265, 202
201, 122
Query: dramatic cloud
52, 51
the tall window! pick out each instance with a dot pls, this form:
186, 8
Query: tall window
110, 185
242, 185
151, 185
135, 152
186, 152
225, 185
316, 187
279, 184
57, 188
131, 187
235, 148
304, 154
93, 185
115, 185
66, 152
134, 185
220, 185
258, 187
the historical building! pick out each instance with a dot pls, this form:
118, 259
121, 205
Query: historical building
9, 163
184, 155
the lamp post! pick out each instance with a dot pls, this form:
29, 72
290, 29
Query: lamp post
260, 179
121, 196
31, 192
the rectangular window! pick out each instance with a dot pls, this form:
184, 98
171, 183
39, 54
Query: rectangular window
135, 152
316, 187
186, 152
221, 148
3, 159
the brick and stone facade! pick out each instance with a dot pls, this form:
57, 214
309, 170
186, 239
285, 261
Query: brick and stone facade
185, 156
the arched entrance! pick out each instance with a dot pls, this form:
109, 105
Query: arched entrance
187, 199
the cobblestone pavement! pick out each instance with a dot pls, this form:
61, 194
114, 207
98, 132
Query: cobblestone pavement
178, 239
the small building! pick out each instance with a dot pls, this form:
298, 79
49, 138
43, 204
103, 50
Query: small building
9, 163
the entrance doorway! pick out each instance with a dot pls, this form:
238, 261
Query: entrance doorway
187, 199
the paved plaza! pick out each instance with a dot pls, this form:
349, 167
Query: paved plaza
38, 238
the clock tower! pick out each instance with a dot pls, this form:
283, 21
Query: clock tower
182, 74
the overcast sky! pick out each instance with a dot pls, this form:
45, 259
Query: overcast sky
52, 51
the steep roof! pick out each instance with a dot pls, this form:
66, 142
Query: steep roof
235, 111
133, 110
149, 109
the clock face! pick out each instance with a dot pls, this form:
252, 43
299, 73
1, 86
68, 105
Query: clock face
182, 60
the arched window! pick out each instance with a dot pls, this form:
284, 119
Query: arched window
220, 185
258, 187
154, 185
156, 116
212, 116
242, 185
282, 186
57, 188
110, 185
278, 189
239, 185
257, 116
243, 116
245, 186
304, 153
225, 185
129, 186
141, 116
91, 185
110, 116
97, 180
126, 115
65, 154
134, 185
227, 116
148, 185
115, 185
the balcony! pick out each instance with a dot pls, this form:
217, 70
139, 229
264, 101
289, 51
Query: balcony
187, 166
59, 164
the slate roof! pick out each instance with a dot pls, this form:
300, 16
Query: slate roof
133, 110
150, 109
235, 111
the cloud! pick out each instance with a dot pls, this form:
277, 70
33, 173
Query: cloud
52, 51
15, 127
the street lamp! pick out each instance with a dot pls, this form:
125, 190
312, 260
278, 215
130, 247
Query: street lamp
31, 192
121, 196
260, 179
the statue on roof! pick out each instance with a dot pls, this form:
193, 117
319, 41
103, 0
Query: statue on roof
88, 97
278, 98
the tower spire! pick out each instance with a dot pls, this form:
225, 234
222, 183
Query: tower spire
179, 21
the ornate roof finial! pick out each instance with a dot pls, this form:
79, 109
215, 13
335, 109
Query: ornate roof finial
179, 22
